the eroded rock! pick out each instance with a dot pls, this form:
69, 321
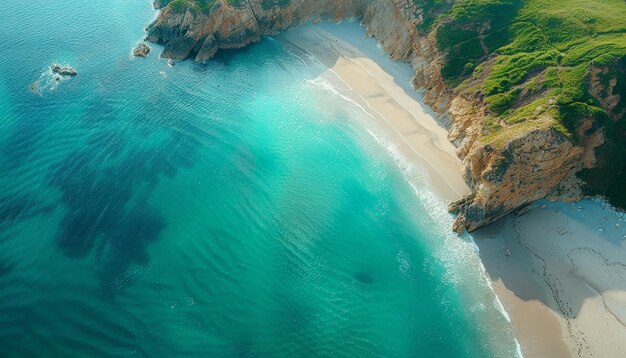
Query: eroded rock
141, 50
191, 33
63, 70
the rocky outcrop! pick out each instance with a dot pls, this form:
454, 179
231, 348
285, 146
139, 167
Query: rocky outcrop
141, 50
532, 164
605, 87
536, 164
192, 33
63, 70
158, 4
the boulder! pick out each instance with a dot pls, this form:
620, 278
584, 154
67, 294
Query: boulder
63, 70
142, 50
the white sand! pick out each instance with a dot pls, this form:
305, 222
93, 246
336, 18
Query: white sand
361, 72
566, 277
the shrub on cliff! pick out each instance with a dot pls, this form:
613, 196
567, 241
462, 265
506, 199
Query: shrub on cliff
183, 5
531, 61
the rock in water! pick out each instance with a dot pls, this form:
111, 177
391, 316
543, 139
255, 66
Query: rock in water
63, 70
142, 50
459, 224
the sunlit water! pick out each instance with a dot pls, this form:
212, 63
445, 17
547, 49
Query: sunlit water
236, 208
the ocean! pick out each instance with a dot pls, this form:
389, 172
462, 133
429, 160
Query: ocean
227, 209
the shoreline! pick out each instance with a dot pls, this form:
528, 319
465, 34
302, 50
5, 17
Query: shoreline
381, 87
552, 302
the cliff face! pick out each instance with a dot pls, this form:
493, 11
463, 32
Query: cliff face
533, 163
537, 164
607, 84
191, 33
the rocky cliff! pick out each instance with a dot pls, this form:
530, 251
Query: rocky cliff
530, 163
188, 32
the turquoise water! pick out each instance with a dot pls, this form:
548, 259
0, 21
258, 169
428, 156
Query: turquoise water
236, 208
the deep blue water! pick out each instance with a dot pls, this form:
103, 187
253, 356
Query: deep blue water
234, 208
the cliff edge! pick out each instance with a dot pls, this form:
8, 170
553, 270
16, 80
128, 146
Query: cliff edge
188, 30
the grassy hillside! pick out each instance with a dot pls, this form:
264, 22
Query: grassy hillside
183, 5
205, 5
530, 61
521, 55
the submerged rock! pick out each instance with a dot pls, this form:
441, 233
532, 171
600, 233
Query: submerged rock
63, 70
364, 277
142, 50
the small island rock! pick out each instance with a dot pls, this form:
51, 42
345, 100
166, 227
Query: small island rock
142, 50
63, 70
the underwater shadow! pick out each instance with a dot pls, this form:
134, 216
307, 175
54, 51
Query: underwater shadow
105, 188
6, 267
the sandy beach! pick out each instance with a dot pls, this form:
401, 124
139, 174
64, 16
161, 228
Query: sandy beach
564, 282
381, 87
559, 269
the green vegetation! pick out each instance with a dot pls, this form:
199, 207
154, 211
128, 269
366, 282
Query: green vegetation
517, 53
236, 3
268, 4
431, 10
471, 30
531, 62
183, 5
206, 5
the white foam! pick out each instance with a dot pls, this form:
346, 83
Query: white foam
518, 349
454, 246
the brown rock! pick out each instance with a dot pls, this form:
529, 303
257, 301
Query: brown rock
459, 225
66, 70
194, 34
142, 50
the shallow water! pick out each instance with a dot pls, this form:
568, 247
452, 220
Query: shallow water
236, 208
